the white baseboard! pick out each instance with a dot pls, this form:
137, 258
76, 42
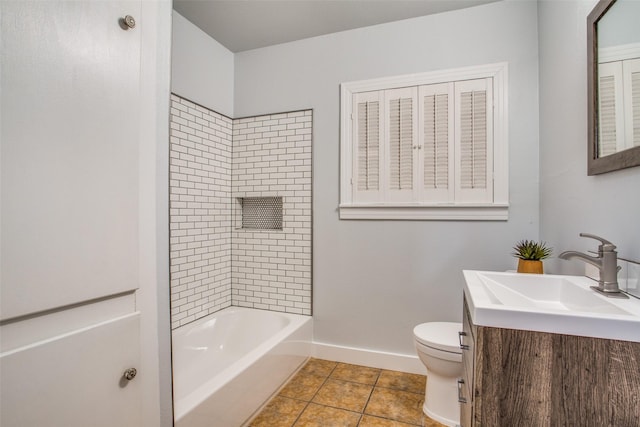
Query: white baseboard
371, 358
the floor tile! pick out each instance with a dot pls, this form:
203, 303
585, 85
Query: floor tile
355, 373
279, 412
343, 394
319, 367
325, 416
370, 421
402, 381
303, 386
396, 405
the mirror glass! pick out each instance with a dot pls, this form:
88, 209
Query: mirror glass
614, 101
619, 78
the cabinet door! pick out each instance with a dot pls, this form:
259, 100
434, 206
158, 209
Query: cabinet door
74, 379
466, 405
70, 79
467, 344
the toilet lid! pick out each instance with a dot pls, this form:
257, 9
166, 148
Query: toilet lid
439, 335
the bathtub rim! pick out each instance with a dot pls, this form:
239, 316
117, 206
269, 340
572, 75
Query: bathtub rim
187, 403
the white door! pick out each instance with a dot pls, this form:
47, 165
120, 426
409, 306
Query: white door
70, 96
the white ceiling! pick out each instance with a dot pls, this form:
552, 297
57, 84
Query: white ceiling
249, 24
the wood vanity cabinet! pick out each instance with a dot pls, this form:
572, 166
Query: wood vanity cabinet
526, 378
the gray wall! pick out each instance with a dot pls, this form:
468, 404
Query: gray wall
201, 68
570, 201
374, 280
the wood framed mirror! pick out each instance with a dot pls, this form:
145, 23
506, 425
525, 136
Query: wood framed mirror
613, 73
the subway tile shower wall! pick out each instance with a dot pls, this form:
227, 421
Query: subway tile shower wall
271, 269
200, 211
215, 162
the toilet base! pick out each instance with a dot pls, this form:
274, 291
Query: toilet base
438, 418
441, 399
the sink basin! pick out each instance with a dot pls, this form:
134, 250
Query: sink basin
545, 292
549, 303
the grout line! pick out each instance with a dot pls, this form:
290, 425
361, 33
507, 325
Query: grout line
314, 395
364, 408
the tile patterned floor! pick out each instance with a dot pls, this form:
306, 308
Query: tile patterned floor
332, 394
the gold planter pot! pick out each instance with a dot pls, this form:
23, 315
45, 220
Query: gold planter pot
530, 266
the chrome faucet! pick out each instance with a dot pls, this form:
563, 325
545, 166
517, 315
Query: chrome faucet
607, 264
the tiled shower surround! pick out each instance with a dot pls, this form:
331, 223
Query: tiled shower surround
215, 162
271, 269
200, 211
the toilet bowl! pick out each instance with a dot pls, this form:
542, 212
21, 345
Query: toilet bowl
439, 350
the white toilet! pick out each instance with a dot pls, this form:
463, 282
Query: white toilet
438, 347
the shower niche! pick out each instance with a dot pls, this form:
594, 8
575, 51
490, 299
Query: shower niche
259, 213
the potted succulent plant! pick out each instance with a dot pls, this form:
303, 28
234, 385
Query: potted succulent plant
530, 255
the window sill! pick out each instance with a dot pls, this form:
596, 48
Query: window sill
427, 212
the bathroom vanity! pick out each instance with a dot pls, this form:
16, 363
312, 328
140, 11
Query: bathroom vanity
528, 360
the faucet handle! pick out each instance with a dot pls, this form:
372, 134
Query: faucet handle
605, 245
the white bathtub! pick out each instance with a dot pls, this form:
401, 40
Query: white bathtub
226, 365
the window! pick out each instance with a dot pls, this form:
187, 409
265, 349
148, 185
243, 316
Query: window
426, 146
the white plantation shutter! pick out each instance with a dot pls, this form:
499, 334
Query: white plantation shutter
474, 133
635, 108
401, 133
422, 146
368, 150
607, 115
473, 139
631, 76
435, 172
610, 108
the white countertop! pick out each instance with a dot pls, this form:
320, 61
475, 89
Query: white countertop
549, 303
